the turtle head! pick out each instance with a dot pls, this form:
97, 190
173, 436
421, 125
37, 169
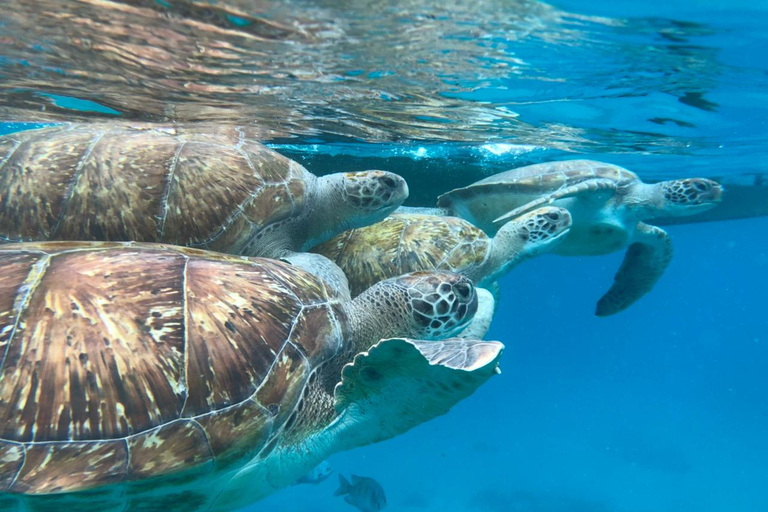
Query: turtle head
539, 230
374, 193
353, 200
536, 232
441, 304
425, 305
689, 196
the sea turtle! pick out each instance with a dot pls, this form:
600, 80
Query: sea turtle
210, 187
608, 204
149, 377
404, 243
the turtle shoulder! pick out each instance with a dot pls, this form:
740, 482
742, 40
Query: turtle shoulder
122, 362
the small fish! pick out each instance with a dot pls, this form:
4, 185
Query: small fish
317, 475
364, 493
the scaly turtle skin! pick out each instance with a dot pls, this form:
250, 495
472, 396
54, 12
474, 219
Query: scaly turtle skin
138, 377
405, 243
209, 187
608, 205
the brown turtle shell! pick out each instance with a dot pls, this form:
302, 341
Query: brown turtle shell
404, 243
213, 189
124, 361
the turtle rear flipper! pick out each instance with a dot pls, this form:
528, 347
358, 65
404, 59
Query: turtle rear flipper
585, 187
644, 263
400, 383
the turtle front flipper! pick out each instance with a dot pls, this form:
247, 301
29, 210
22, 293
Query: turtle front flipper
644, 263
585, 187
400, 383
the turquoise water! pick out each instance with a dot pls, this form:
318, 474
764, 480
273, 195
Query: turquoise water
661, 408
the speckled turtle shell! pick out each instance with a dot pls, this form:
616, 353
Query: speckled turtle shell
404, 243
208, 189
485, 200
195, 364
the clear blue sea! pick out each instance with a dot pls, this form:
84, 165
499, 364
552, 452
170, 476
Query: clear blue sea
661, 408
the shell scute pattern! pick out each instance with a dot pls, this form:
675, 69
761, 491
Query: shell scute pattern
108, 182
447, 243
237, 431
13, 274
51, 388
57, 467
250, 309
285, 383
403, 243
192, 217
219, 390
11, 460
184, 444
115, 172
59, 159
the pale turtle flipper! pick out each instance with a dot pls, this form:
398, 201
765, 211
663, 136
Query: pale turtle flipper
486, 307
423, 210
644, 263
400, 383
585, 187
321, 267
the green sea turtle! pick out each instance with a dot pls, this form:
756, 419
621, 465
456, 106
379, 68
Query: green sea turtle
147, 377
608, 205
210, 187
404, 243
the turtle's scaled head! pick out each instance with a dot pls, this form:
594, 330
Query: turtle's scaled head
533, 233
352, 200
374, 193
423, 305
689, 196
541, 230
442, 303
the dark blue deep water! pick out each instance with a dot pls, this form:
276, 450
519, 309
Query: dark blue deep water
662, 408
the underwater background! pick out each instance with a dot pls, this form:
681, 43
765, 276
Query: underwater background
661, 408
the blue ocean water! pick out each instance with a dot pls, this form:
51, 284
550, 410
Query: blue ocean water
662, 408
